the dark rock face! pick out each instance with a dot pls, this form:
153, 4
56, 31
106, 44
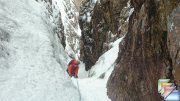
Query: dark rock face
100, 24
145, 57
87, 41
174, 42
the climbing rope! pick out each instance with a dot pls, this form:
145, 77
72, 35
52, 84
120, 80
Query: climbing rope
78, 90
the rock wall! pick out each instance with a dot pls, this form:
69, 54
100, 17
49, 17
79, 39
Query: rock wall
101, 22
87, 42
145, 57
174, 42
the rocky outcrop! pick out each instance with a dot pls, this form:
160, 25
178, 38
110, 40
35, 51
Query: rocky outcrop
145, 57
101, 23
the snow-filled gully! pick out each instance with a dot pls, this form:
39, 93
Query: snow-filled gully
31, 72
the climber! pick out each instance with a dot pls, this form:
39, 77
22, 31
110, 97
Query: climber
73, 68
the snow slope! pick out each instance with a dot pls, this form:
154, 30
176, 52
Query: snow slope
94, 88
29, 70
106, 61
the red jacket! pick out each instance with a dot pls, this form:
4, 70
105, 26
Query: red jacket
73, 67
